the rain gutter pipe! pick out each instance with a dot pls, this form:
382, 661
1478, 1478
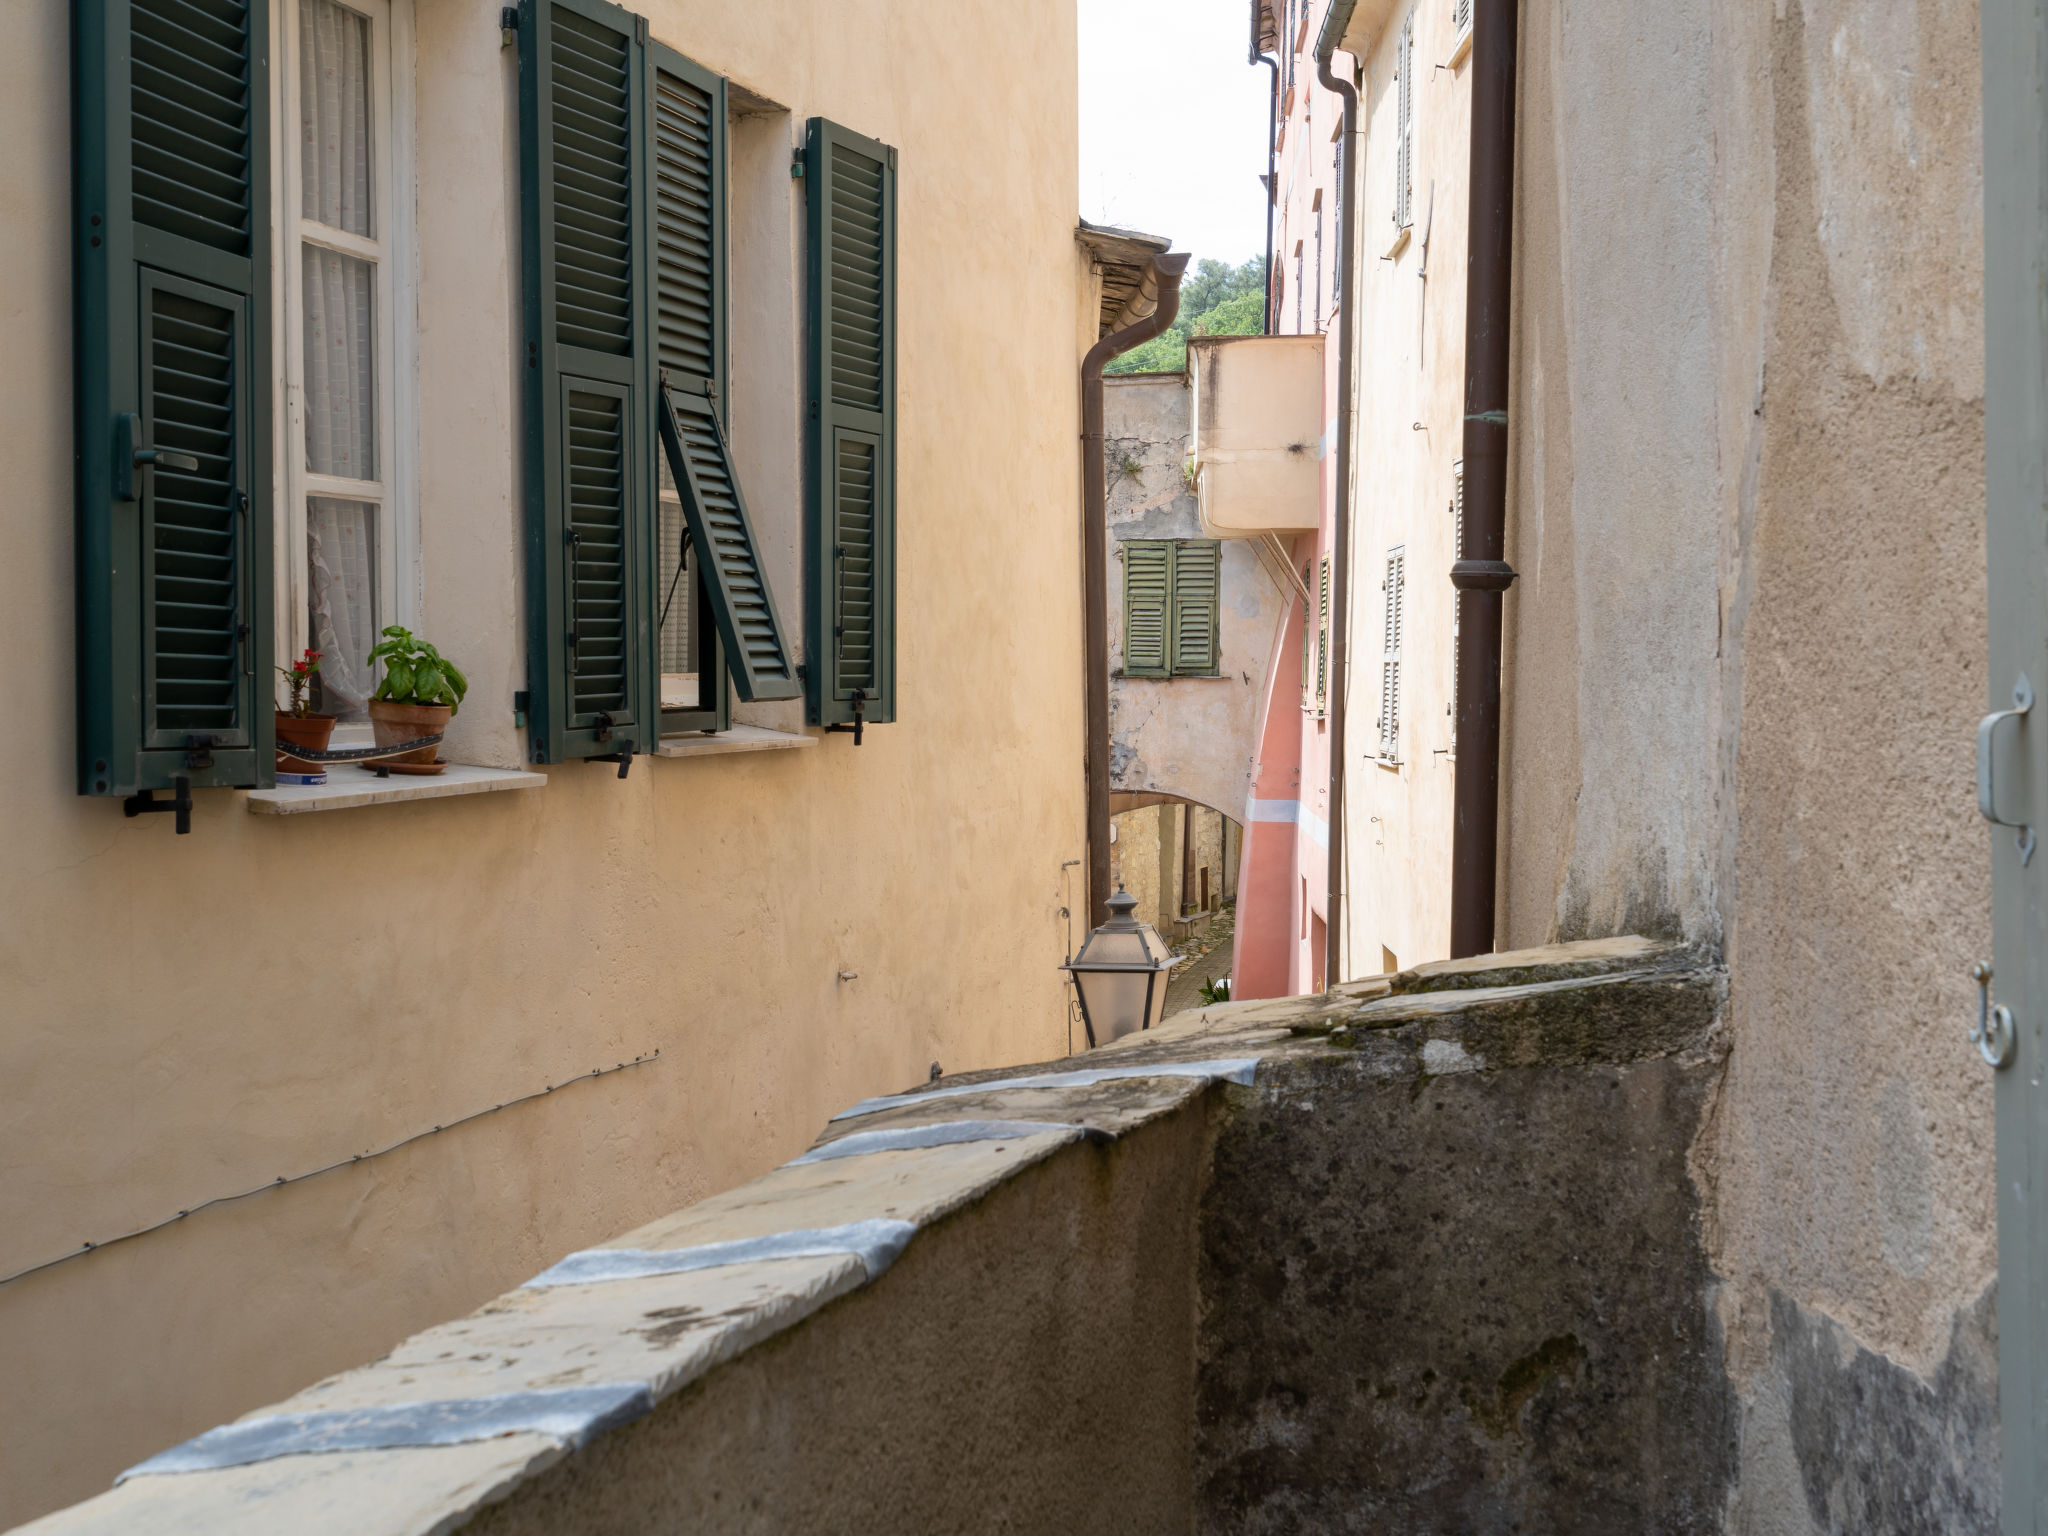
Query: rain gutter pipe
1481, 573
1165, 277
1272, 62
1335, 20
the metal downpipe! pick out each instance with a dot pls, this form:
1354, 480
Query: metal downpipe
1340, 521
1272, 62
1166, 271
1481, 573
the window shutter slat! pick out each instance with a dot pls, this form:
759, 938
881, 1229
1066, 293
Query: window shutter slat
850, 522
1390, 656
1148, 594
690, 341
1196, 568
593, 669
1323, 638
1404, 125
172, 350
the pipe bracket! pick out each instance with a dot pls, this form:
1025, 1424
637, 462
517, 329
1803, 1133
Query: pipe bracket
1482, 575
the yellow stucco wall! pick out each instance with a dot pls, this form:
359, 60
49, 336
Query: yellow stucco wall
182, 1017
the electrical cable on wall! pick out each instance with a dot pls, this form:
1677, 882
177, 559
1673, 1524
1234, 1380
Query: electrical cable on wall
347, 1162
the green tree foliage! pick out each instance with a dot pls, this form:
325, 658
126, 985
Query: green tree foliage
1217, 299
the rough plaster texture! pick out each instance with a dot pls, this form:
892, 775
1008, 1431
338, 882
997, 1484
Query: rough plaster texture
1745, 656
185, 1016
1185, 736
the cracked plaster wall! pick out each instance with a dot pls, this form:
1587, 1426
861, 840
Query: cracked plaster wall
1744, 659
1188, 736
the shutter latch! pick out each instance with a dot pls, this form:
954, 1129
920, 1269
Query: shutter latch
180, 803
199, 752
860, 699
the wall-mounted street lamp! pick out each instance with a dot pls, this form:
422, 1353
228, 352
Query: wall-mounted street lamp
1121, 974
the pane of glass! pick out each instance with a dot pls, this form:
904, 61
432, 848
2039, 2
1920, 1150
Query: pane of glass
341, 361
341, 601
681, 638
334, 116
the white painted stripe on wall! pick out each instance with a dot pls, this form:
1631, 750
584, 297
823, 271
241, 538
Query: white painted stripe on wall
1256, 809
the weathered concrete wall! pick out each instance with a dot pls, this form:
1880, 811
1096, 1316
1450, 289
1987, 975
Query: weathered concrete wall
1455, 1280
181, 1017
1186, 736
1744, 659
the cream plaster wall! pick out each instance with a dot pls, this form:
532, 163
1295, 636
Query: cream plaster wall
181, 1017
1747, 647
1408, 434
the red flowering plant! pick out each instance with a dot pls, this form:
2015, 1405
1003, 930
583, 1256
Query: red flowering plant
298, 678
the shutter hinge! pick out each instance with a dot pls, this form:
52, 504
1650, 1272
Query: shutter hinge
508, 27
796, 164
639, 36
180, 803
522, 703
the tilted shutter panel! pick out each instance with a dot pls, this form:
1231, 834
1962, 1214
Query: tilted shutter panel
1390, 657
690, 290
1197, 565
1461, 15
172, 343
1148, 595
1457, 597
1308, 638
850, 533
592, 666
1404, 125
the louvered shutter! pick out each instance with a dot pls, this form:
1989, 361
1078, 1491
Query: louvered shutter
1404, 125
1457, 597
1461, 15
1390, 656
1196, 568
172, 343
1323, 638
690, 302
1148, 597
1308, 639
850, 533
592, 665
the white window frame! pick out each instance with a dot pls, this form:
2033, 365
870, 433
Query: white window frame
394, 491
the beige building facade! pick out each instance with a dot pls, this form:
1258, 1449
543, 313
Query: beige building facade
758, 914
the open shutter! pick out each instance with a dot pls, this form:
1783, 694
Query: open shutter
1148, 597
1196, 566
593, 670
690, 287
1404, 125
850, 527
1323, 637
172, 315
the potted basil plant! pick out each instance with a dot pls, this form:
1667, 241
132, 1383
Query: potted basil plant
420, 693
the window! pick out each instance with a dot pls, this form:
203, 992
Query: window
1171, 607
1404, 124
624, 245
1457, 597
344, 523
1297, 287
1308, 641
1319, 261
1393, 591
1461, 17
1337, 169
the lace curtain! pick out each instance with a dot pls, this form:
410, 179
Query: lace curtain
340, 398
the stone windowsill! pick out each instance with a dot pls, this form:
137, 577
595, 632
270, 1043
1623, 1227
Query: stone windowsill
740, 738
350, 787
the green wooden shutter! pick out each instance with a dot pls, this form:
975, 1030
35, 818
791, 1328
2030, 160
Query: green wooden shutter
850, 524
593, 670
690, 298
1197, 568
1148, 600
1323, 638
171, 196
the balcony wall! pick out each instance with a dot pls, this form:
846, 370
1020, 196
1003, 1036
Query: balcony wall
1257, 403
1425, 1259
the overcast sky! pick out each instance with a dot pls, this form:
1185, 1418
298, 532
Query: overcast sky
1173, 123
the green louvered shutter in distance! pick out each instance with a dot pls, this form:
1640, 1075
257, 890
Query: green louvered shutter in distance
850, 523
1148, 601
690, 299
171, 203
593, 670
1197, 566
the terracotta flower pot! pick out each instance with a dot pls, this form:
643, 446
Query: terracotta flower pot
394, 723
302, 731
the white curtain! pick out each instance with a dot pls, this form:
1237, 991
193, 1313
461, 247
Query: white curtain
334, 116
341, 555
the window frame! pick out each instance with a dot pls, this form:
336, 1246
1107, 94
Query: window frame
394, 491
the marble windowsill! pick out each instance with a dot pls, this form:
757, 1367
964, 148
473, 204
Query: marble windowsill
350, 787
741, 738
